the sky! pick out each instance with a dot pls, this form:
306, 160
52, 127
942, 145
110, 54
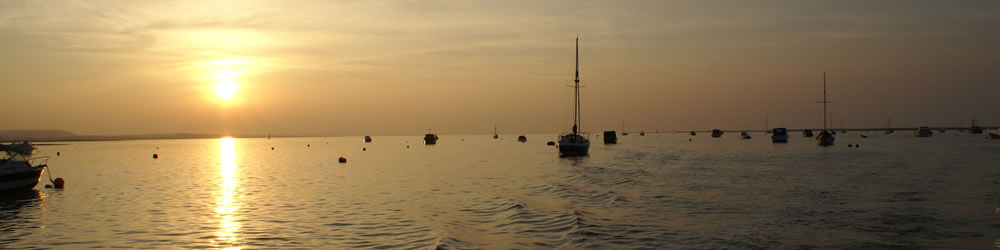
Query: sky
459, 67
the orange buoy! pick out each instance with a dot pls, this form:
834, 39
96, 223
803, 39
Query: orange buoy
155, 156
59, 182
342, 160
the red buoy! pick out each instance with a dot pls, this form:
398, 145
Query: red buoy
155, 156
59, 182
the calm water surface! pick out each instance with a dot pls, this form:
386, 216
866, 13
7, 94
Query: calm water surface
470, 191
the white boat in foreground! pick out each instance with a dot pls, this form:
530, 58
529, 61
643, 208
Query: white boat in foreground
17, 169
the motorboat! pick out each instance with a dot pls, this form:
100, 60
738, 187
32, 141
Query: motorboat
522, 139
693, 133
923, 132
642, 133
574, 143
745, 135
779, 135
17, 169
430, 138
368, 139
716, 133
825, 138
807, 133
610, 137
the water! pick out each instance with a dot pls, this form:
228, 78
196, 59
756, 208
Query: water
470, 191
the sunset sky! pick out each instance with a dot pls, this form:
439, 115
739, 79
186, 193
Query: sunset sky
401, 67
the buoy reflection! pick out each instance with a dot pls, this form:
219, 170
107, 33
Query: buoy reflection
227, 200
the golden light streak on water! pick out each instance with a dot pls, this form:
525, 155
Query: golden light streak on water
227, 201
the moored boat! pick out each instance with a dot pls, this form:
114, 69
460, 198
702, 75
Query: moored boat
825, 138
745, 135
430, 138
973, 129
17, 169
610, 137
522, 139
716, 133
923, 132
368, 138
779, 135
574, 143
807, 133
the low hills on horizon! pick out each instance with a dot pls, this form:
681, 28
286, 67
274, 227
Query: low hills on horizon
63, 135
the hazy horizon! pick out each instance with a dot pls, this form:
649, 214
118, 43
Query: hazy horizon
459, 67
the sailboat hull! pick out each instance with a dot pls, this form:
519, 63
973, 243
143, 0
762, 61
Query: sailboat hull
825, 138
574, 149
573, 145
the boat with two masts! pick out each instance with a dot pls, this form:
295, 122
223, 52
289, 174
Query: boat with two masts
574, 143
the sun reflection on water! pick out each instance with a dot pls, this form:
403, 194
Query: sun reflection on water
227, 200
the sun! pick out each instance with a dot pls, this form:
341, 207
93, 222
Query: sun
226, 89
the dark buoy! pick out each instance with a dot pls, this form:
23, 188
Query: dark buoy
342, 160
48, 186
364, 149
550, 143
407, 146
850, 145
307, 145
857, 145
272, 148
58, 183
155, 156
57, 154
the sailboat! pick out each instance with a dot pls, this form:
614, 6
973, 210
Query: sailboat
623, 128
888, 126
824, 138
767, 124
495, 135
575, 144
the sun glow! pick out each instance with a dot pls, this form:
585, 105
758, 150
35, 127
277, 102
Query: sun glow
227, 77
226, 89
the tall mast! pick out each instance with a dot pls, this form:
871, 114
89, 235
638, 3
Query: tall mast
824, 101
577, 119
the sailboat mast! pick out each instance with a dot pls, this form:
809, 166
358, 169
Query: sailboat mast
577, 114
824, 101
